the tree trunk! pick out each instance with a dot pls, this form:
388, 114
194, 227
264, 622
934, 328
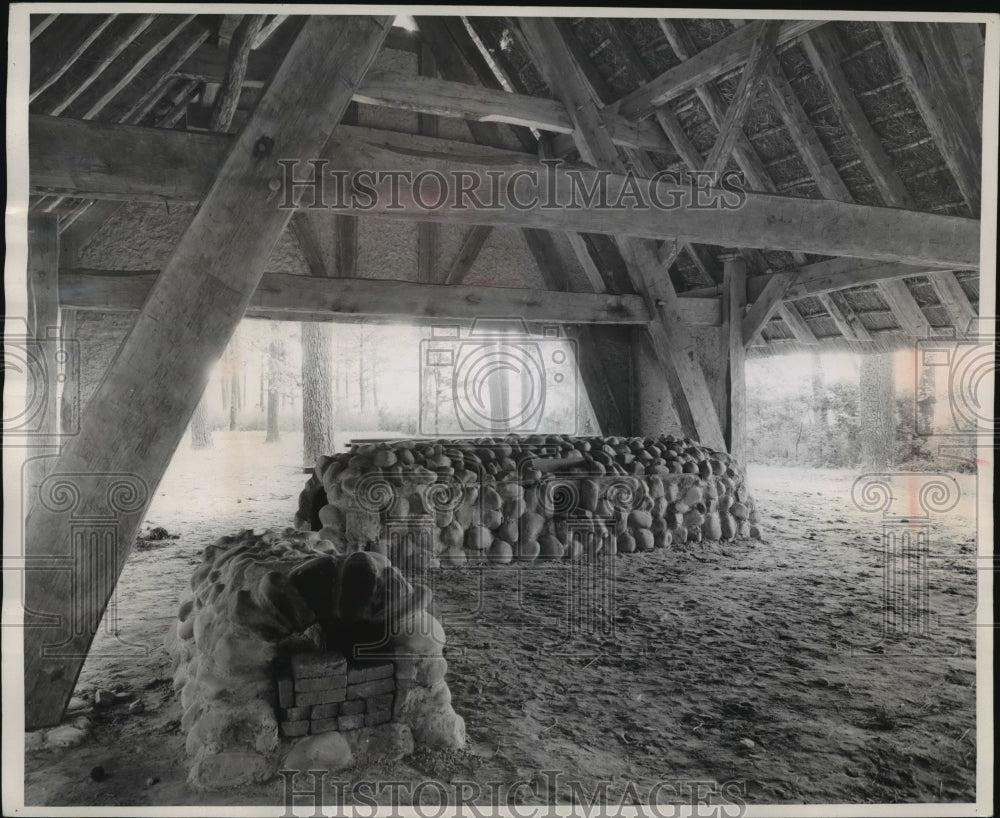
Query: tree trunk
317, 392
926, 398
273, 391
235, 399
201, 431
820, 408
876, 411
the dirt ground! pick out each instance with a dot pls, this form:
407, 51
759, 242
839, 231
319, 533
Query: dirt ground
758, 664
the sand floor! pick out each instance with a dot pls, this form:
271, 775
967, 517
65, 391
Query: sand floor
761, 667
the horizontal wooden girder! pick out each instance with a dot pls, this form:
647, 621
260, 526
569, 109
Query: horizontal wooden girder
281, 296
89, 160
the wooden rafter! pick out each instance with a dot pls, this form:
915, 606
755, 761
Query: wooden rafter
731, 127
671, 340
759, 59
796, 323
459, 60
129, 73
184, 325
744, 153
53, 66
268, 29
826, 52
724, 56
122, 41
932, 71
904, 308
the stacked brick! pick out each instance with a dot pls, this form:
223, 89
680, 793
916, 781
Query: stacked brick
322, 692
259, 601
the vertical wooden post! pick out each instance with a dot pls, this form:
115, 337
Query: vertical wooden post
734, 305
42, 344
427, 232
92, 505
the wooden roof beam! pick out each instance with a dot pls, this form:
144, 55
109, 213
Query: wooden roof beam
64, 61
744, 153
117, 46
932, 71
904, 308
671, 340
724, 56
825, 51
764, 306
459, 59
132, 163
796, 323
325, 298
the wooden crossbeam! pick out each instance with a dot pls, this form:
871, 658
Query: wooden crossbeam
147, 164
732, 124
925, 53
320, 298
672, 342
724, 56
759, 58
796, 323
184, 325
448, 98
764, 306
744, 153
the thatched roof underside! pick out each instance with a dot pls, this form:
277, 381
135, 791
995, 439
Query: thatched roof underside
130, 69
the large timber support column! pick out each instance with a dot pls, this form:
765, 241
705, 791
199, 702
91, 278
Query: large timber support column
92, 504
42, 402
